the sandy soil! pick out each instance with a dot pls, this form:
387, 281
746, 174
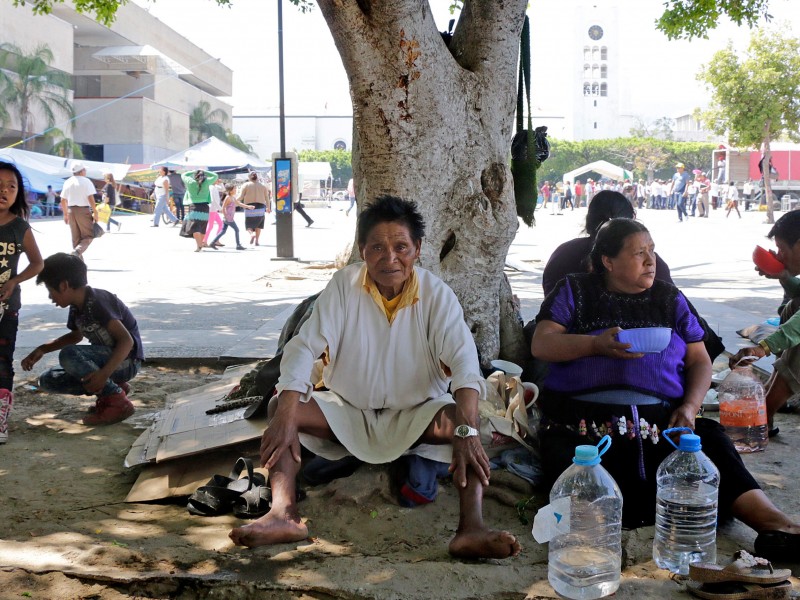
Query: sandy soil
67, 532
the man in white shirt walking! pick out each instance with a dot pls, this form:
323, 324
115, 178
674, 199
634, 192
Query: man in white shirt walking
78, 207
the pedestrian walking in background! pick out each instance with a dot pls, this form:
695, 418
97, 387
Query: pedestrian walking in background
50, 202
747, 193
177, 191
228, 214
214, 207
198, 193
110, 190
161, 191
255, 194
78, 206
732, 196
351, 195
703, 187
299, 208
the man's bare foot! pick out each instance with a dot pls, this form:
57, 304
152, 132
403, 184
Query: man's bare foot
269, 529
484, 543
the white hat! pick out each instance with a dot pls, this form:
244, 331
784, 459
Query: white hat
77, 167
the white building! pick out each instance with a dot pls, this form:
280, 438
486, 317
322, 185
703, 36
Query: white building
134, 82
303, 132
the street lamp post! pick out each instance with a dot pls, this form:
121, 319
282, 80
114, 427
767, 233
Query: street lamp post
283, 219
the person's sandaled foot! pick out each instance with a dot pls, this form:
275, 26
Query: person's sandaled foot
270, 529
778, 545
484, 543
734, 590
745, 568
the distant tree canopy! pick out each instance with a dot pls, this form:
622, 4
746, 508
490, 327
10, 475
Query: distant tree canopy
340, 160
646, 157
695, 18
754, 98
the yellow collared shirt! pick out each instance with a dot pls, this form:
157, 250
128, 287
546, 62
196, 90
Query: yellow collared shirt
408, 297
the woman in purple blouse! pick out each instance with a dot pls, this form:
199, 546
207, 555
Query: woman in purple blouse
595, 386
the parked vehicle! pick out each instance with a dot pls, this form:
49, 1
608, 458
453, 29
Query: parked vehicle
730, 164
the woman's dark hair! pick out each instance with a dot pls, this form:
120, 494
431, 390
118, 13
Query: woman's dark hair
604, 206
20, 205
164, 170
63, 267
610, 240
787, 228
200, 177
390, 209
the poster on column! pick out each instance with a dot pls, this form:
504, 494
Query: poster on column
283, 185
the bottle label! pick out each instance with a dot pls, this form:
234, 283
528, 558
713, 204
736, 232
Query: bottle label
552, 520
744, 412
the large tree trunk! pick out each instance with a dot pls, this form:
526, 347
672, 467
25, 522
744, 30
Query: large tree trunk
434, 125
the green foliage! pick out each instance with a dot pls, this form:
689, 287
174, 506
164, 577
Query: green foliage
754, 97
28, 85
61, 145
646, 157
205, 123
105, 11
340, 160
235, 140
695, 18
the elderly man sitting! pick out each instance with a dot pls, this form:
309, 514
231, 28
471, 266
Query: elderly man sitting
393, 338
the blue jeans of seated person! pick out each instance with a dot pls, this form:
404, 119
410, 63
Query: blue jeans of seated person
79, 361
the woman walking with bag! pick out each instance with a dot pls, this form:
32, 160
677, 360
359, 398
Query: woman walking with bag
198, 192
110, 198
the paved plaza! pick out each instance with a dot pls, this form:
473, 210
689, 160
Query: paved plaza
230, 303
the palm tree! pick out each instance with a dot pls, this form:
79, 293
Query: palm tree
235, 140
28, 85
205, 123
65, 146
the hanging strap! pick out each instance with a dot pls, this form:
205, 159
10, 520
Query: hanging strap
524, 82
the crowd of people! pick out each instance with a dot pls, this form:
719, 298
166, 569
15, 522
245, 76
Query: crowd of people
691, 195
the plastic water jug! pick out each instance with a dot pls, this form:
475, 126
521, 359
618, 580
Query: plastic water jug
583, 524
743, 410
686, 506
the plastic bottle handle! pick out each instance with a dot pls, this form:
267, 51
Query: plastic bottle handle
666, 432
603, 445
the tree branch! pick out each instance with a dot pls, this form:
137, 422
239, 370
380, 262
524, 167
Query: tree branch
486, 31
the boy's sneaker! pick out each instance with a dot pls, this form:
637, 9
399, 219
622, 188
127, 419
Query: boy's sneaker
110, 409
6, 401
126, 389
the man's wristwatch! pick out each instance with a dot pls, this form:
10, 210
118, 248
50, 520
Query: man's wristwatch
465, 431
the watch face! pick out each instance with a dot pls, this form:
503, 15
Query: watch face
595, 32
462, 431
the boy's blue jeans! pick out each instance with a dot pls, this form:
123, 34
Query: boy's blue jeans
77, 362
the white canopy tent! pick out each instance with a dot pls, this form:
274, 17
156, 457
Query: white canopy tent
312, 174
214, 155
599, 166
42, 170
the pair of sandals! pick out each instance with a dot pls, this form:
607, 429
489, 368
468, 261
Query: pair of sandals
248, 497
746, 577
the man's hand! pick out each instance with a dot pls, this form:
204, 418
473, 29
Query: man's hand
32, 358
755, 351
281, 434
469, 453
7, 289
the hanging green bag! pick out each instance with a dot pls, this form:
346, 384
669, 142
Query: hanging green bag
529, 148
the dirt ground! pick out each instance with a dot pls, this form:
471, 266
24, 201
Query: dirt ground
68, 534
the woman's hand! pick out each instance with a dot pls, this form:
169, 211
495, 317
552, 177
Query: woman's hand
281, 432
469, 453
755, 351
7, 289
683, 416
607, 344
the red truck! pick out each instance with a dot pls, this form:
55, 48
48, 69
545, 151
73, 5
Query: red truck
729, 164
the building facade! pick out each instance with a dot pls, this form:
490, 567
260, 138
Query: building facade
135, 83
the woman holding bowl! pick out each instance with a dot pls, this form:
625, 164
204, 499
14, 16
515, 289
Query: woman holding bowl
596, 385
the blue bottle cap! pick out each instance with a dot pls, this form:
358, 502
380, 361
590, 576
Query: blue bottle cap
586, 455
689, 443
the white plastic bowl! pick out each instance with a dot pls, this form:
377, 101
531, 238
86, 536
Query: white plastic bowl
650, 340
507, 367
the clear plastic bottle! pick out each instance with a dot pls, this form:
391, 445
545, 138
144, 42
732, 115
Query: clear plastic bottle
585, 554
743, 410
686, 506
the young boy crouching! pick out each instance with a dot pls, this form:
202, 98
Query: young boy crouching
115, 352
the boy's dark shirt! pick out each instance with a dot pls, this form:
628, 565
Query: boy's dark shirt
99, 308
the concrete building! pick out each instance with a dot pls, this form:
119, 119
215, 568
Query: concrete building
303, 132
135, 83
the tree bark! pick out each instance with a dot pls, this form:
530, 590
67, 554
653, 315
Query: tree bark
433, 124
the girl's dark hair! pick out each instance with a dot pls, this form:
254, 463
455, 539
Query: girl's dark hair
610, 240
20, 205
200, 177
606, 205
390, 209
63, 267
787, 228
229, 187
